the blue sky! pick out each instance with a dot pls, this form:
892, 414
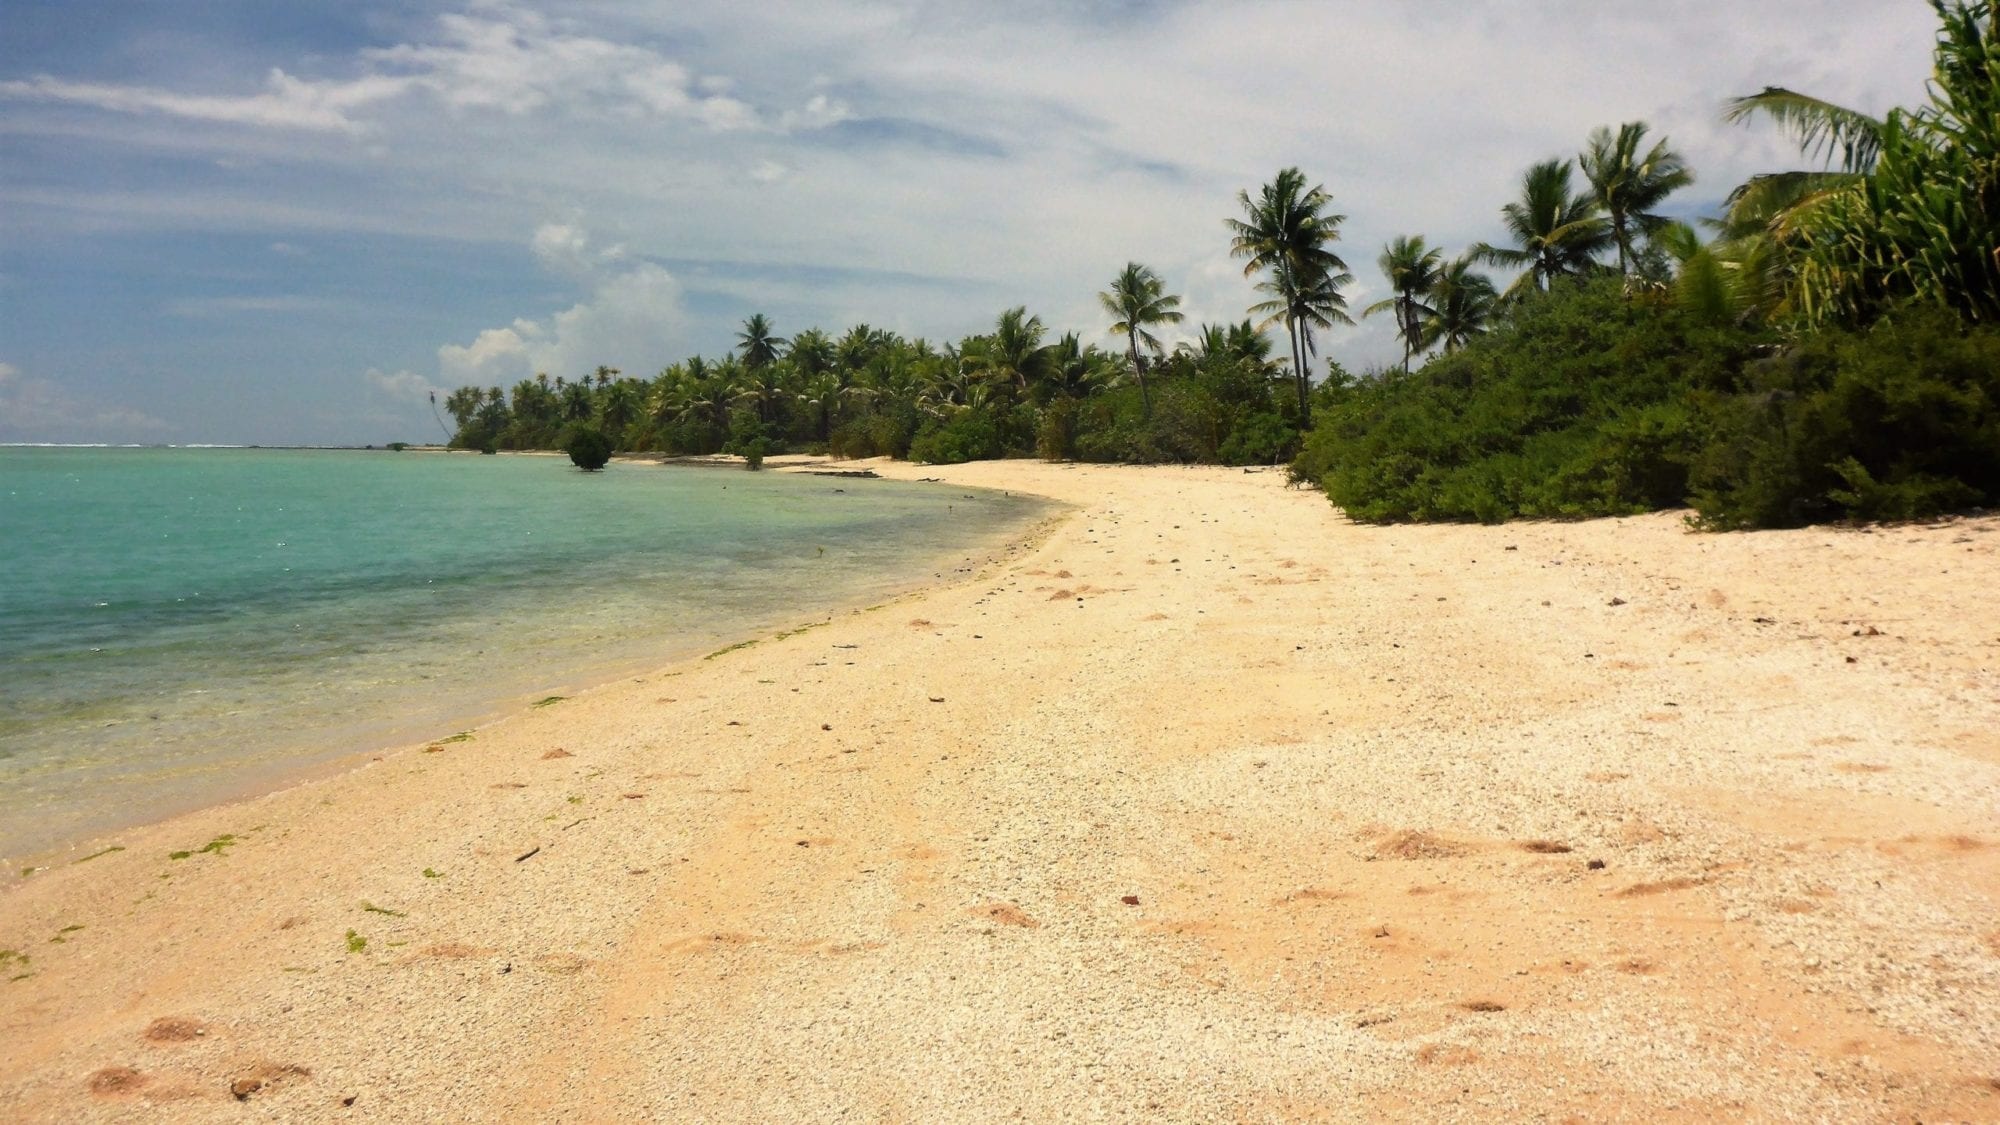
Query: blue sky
276, 223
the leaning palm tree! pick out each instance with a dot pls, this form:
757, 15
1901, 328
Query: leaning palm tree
1557, 232
1463, 305
1412, 269
1766, 216
1629, 185
760, 344
1844, 142
1136, 301
1286, 231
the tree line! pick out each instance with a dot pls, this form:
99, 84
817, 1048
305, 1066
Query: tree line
1767, 331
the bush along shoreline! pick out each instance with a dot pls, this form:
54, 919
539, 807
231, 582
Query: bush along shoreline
1827, 348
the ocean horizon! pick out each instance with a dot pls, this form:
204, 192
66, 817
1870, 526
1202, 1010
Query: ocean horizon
180, 626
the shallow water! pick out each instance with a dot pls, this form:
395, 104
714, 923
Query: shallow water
178, 625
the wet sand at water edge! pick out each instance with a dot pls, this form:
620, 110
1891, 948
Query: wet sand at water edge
1203, 804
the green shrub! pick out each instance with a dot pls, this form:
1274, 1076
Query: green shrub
588, 448
1581, 405
969, 435
1898, 421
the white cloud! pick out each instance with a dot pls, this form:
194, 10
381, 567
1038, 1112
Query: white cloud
922, 166
34, 409
403, 386
633, 319
285, 103
565, 248
819, 112
502, 57
495, 356
516, 61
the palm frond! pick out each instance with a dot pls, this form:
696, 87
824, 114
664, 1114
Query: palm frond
1824, 131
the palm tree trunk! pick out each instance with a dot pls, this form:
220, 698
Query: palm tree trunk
1139, 370
1299, 372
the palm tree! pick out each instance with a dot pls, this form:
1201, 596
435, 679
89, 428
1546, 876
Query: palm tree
1629, 186
1413, 270
618, 407
1463, 304
812, 352
577, 403
1136, 301
1304, 304
1767, 215
1286, 232
1076, 371
1013, 354
760, 344
1557, 233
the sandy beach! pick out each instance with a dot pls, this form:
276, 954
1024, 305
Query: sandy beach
1204, 804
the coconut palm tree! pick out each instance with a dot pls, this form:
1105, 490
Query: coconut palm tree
1557, 232
618, 407
1136, 301
1629, 186
1462, 306
1286, 232
1304, 304
1076, 371
1013, 354
1412, 269
812, 352
577, 402
760, 344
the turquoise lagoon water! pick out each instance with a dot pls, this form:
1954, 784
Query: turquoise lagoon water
179, 625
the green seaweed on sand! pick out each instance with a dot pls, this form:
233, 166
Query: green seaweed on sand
96, 855
550, 701
355, 942
429, 874
217, 846
374, 909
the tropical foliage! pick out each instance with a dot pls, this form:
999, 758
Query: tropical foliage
1826, 348
1286, 234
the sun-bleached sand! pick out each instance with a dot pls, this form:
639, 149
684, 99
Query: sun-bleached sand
1203, 805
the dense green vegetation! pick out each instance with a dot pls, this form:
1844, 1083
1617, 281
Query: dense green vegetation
1831, 350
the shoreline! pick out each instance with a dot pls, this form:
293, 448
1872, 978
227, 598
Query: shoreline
265, 779
1208, 804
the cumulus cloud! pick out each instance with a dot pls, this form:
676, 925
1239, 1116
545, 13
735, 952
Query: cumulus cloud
34, 409
565, 249
915, 166
634, 318
819, 112
517, 61
402, 386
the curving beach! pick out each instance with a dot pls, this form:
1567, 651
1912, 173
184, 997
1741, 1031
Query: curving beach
1203, 804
